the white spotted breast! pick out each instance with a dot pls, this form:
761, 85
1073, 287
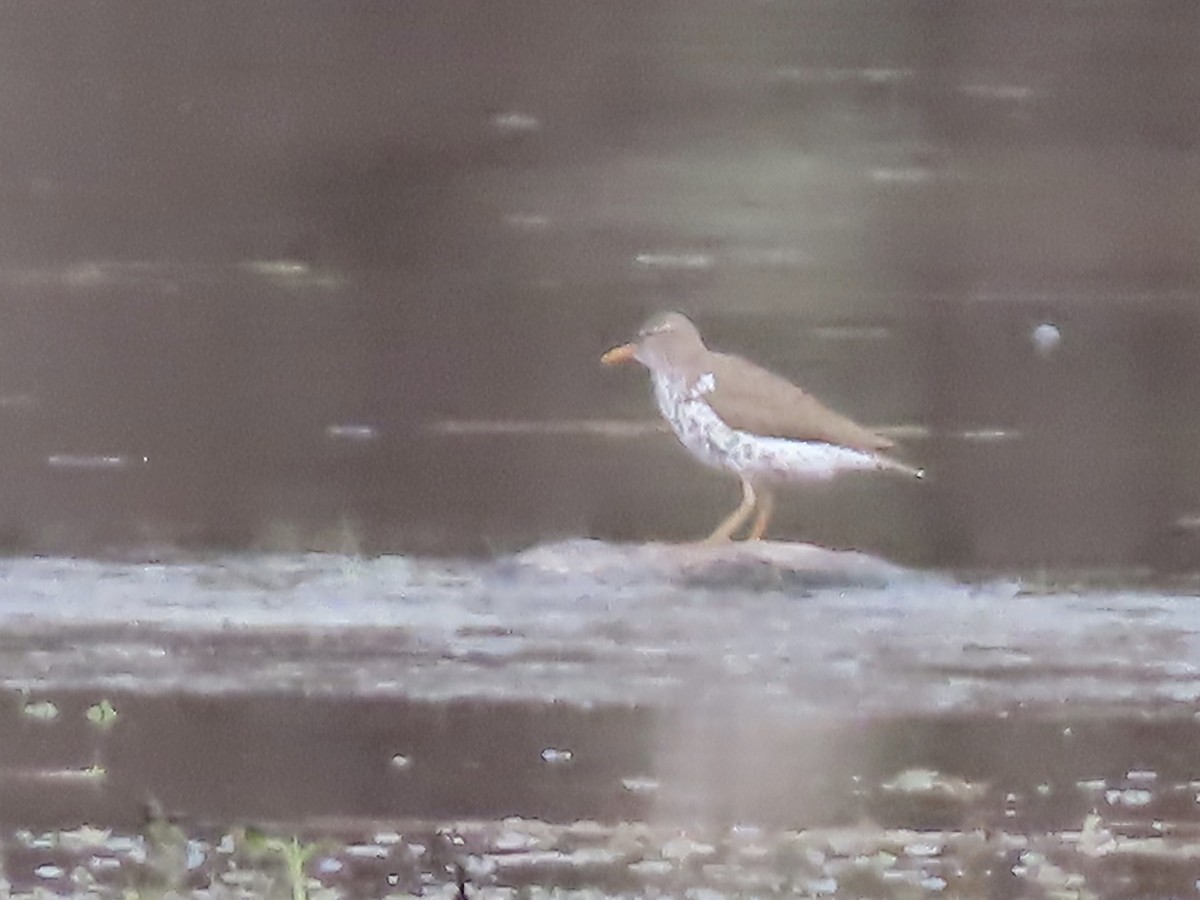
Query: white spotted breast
709, 439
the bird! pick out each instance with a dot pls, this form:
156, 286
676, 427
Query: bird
734, 415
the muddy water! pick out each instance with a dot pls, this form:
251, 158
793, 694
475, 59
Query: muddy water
240, 293
337, 280
727, 719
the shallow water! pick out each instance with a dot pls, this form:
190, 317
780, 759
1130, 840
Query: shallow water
777, 691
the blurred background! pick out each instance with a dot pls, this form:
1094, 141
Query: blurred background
318, 276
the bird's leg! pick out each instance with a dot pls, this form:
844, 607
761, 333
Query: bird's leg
736, 519
766, 506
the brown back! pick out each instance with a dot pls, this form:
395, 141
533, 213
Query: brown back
750, 398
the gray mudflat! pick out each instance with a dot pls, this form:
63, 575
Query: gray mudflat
796, 627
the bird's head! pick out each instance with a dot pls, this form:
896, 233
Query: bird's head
665, 341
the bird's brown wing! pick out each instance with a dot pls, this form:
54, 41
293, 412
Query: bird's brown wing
749, 398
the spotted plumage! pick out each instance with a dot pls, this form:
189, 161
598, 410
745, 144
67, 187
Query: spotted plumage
730, 414
749, 455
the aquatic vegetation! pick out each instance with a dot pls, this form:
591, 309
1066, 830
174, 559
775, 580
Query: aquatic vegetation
293, 854
103, 715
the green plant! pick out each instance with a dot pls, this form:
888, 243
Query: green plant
292, 853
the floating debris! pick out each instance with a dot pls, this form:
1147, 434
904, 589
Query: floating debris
40, 710
292, 273
930, 781
278, 268
102, 715
640, 785
1046, 338
691, 261
330, 865
85, 836
197, 854
923, 848
367, 851
988, 435
515, 122
1132, 797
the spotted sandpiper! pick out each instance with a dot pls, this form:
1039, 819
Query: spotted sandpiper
731, 414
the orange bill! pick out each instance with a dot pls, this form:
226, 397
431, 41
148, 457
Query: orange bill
618, 355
